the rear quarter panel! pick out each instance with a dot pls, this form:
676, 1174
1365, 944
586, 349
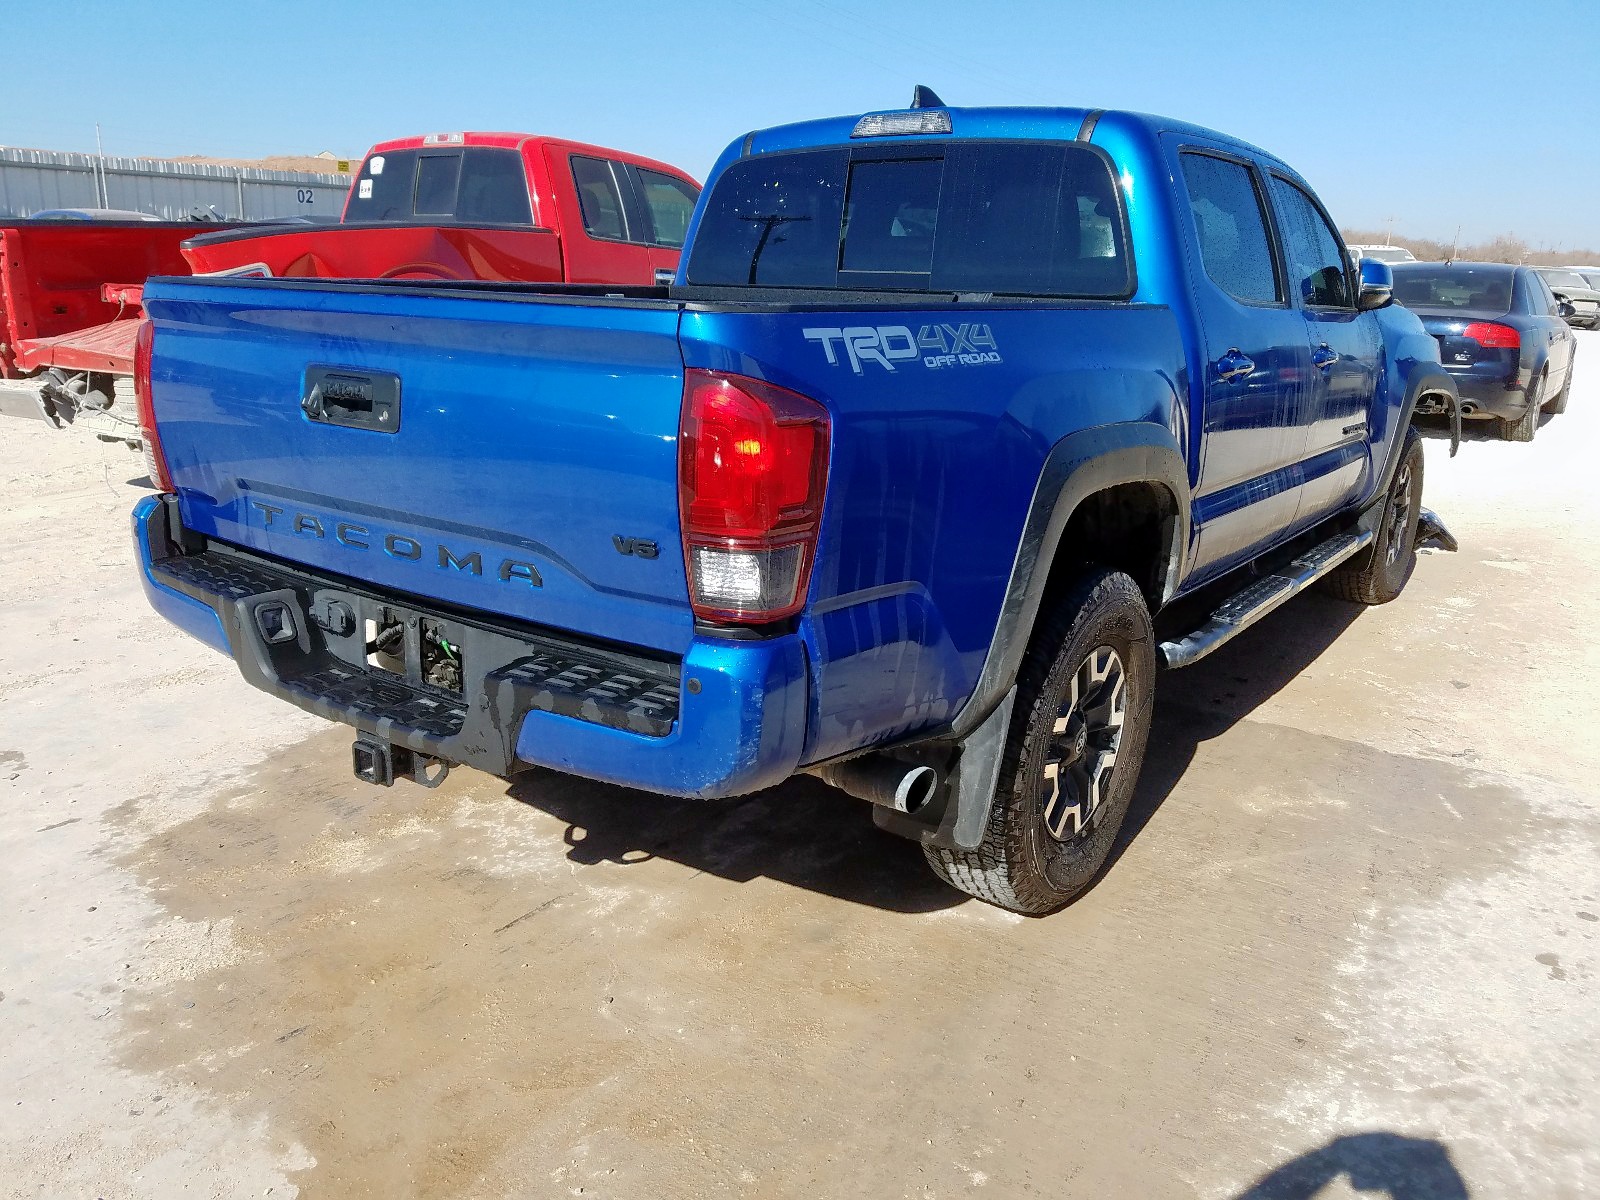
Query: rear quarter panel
932, 474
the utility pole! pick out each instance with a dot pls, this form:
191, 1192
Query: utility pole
100, 152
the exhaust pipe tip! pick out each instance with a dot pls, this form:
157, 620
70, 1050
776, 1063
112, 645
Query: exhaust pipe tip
1468, 408
901, 786
915, 789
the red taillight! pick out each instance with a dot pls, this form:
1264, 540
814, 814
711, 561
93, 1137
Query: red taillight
1491, 336
155, 460
752, 466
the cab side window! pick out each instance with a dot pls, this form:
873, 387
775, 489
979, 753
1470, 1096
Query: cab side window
599, 199
1232, 227
1316, 259
671, 202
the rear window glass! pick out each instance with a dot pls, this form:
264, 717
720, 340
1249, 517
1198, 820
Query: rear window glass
1564, 279
1041, 219
1485, 289
479, 185
438, 176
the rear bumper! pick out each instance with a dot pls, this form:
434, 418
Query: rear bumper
727, 719
1490, 395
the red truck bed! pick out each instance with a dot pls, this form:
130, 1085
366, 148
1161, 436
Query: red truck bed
55, 307
382, 252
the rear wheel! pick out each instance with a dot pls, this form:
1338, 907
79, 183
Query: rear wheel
1072, 757
1522, 429
1380, 575
1558, 405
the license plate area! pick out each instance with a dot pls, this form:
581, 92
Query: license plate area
393, 640
321, 662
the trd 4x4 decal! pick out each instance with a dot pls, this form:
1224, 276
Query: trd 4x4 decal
968, 344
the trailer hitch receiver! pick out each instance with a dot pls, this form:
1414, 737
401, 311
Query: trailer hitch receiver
380, 762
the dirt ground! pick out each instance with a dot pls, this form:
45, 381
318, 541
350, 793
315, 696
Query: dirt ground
1349, 944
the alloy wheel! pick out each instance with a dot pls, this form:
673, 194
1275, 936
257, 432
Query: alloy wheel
1083, 744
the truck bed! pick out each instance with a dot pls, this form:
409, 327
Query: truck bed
52, 283
387, 251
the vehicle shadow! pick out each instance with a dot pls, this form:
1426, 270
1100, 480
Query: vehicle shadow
811, 836
1202, 702
1381, 1163
1437, 429
802, 833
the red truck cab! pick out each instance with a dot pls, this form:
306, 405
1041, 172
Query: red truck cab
499, 206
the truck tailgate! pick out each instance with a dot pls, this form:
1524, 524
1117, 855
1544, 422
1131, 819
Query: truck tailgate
499, 452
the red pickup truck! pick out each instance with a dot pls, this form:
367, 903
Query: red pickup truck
498, 206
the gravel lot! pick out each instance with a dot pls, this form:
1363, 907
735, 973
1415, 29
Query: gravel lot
1350, 946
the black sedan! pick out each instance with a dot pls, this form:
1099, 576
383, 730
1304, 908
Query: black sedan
1501, 334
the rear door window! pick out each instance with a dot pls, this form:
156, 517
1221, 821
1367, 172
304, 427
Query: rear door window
1231, 224
1314, 254
670, 202
480, 185
599, 198
1016, 218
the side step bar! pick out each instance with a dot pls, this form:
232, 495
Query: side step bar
1245, 608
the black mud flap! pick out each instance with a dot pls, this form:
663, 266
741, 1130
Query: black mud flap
1432, 534
957, 818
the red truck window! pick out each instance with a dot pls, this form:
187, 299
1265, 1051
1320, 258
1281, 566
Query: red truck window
671, 202
438, 178
599, 198
481, 185
494, 189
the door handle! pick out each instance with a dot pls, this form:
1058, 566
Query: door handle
1234, 365
1323, 357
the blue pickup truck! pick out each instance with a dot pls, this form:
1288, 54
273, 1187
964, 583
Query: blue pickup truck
955, 428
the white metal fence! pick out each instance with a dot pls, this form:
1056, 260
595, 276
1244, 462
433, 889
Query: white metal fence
34, 180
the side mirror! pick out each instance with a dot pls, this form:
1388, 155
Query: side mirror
1377, 284
1565, 308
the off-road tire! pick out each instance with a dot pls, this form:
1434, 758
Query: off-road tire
1558, 404
1019, 865
1377, 576
1525, 426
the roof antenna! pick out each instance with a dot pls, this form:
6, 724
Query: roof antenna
923, 96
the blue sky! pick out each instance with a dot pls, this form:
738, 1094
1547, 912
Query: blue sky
1480, 113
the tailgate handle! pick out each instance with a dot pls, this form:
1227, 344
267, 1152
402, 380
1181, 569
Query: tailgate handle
352, 399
